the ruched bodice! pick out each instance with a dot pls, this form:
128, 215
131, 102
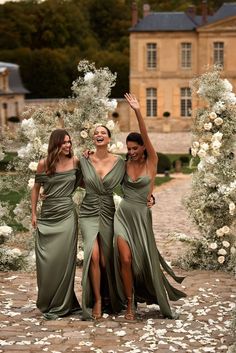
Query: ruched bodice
56, 244
96, 218
133, 222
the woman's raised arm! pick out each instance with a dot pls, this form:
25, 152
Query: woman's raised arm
134, 104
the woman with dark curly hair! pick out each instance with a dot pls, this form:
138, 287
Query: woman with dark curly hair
56, 227
138, 263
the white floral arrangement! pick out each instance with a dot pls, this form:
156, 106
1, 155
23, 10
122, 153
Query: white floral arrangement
212, 202
88, 107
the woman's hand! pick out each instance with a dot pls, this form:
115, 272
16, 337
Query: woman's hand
87, 153
132, 100
34, 221
151, 201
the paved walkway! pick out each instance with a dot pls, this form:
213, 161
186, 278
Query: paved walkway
203, 324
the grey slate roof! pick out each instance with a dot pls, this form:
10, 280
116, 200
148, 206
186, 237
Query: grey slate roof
179, 21
226, 10
15, 82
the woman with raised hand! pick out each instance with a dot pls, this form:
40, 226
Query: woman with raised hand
102, 172
139, 276
56, 227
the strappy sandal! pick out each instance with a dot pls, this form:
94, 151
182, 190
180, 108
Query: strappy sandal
130, 316
97, 314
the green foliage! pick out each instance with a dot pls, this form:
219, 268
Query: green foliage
164, 163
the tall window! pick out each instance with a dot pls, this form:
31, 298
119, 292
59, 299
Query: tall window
218, 54
185, 101
186, 55
151, 101
151, 55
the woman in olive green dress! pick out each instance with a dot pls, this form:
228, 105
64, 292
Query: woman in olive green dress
139, 276
102, 172
56, 228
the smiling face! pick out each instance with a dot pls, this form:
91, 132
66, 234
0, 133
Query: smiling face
66, 146
135, 151
101, 136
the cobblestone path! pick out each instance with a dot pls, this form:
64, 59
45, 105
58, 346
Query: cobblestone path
204, 316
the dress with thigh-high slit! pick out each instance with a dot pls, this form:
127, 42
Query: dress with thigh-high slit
96, 218
133, 222
56, 245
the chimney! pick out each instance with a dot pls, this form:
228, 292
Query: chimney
134, 13
204, 12
191, 12
146, 10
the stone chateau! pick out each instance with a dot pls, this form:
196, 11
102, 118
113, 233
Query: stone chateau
167, 50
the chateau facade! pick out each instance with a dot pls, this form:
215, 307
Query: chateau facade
167, 50
12, 93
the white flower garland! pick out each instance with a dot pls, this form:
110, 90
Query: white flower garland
213, 197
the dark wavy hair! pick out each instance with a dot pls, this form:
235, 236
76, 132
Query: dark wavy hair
56, 140
108, 131
135, 137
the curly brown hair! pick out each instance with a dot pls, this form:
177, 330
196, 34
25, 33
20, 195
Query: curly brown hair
56, 140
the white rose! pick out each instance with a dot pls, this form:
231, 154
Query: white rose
194, 152
211, 160
119, 145
212, 115
89, 76
202, 153
213, 246
84, 134
110, 124
204, 146
217, 136
31, 183
225, 229
201, 166
232, 250
33, 166
231, 208
112, 104
196, 144
215, 152
117, 199
44, 148
225, 243
207, 126
220, 232
227, 85
16, 252
5, 230
222, 252
216, 144
221, 259
218, 121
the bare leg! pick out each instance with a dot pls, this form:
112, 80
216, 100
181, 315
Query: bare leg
126, 274
95, 277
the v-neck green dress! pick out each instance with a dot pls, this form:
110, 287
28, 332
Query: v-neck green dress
133, 222
96, 217
56, 245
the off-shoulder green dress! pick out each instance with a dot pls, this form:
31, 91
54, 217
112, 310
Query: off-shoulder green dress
56, 245
96, 217
133, 222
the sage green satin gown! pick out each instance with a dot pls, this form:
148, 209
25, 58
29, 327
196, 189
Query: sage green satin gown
96, 217
56, 245
133, 222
